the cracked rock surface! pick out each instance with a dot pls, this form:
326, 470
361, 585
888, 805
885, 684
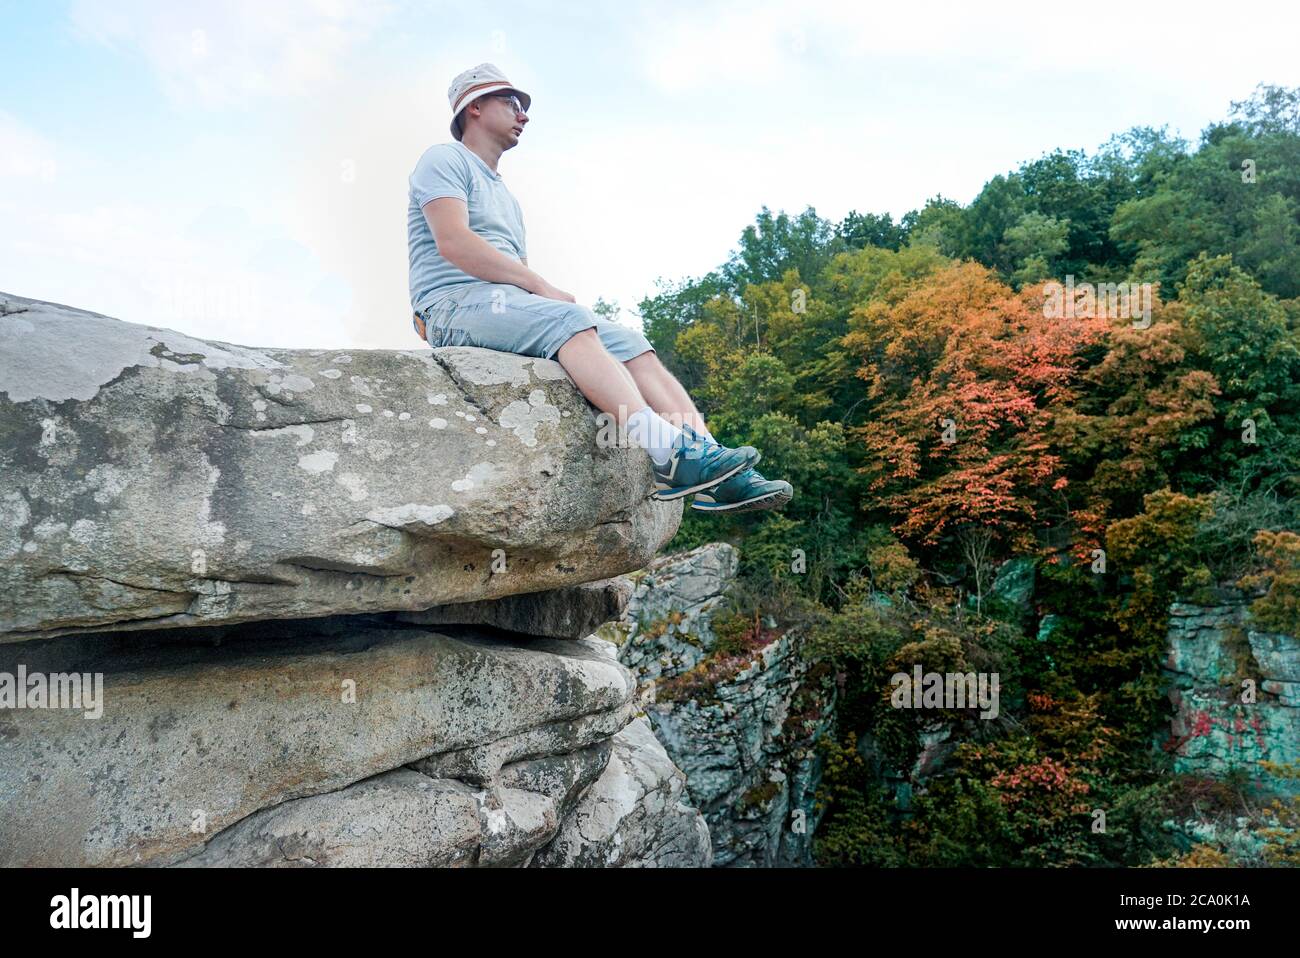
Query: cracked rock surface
347, 741
742, 727
209, 734
637, 815
308, 608
149, 479
1213, 657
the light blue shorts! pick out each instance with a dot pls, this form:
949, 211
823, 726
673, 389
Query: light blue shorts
513, 320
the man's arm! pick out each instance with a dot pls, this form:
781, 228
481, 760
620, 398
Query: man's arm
448, 219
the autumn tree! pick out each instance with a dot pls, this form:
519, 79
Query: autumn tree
964, 377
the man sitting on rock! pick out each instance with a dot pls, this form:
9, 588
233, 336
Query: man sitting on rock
471, 286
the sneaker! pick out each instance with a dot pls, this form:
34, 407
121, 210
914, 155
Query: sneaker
744, 492
697, 463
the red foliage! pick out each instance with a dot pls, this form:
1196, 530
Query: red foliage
963, 348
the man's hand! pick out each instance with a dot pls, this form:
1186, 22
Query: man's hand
552, 292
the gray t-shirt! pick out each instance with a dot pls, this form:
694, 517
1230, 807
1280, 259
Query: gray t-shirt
453, 169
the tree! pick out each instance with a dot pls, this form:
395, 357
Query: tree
998, 207
938, 225
964, 377
1035, 245
774, 244
976, 548
1242, 334
869, 229
1239, 193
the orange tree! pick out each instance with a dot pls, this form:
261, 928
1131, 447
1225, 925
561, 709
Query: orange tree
964, 377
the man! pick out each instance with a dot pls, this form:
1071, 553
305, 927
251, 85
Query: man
471, 286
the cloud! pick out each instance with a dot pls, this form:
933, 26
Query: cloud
733, 47
24, 152
220, 275
700, 46
224, 54
213, 270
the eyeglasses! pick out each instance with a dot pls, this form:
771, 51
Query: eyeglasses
514, 101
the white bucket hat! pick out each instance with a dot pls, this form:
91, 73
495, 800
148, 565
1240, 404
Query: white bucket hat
476, 82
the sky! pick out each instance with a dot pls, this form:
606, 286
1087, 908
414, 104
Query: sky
238, 170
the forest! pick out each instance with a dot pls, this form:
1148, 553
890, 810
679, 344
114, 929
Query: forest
946, 429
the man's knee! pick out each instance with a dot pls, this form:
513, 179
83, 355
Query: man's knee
582, 338
649, 358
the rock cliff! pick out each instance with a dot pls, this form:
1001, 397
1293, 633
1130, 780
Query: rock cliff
740, 716
332, 605
1235, 692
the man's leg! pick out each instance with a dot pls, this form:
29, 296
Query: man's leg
509, 319
745, 491
599, 376
663, 392
608, 386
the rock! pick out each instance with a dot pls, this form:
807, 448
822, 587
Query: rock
193, 739
149, 479
572, 612
747, 750
1215, 730
251, 561
1012, 591
1201, 640
741, 727
634, 815
667, 619
403, 818
396, 819
1050, 627
1278, 655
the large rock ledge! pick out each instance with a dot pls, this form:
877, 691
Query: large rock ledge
310, 608
149, 479
359, 743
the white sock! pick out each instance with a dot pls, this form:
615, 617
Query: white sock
653, 433
704, 431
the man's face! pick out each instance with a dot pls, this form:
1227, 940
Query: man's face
498, 119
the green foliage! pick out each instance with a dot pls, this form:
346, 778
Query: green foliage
1169, 449
860, 833
1204, 204
1035, 245
938, 225
1157, 553
1242, 335
1278, 610
869, 229
774, 244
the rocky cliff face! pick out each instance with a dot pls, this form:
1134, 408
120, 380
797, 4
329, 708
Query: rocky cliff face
740, 721
301, 584
1236, 694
